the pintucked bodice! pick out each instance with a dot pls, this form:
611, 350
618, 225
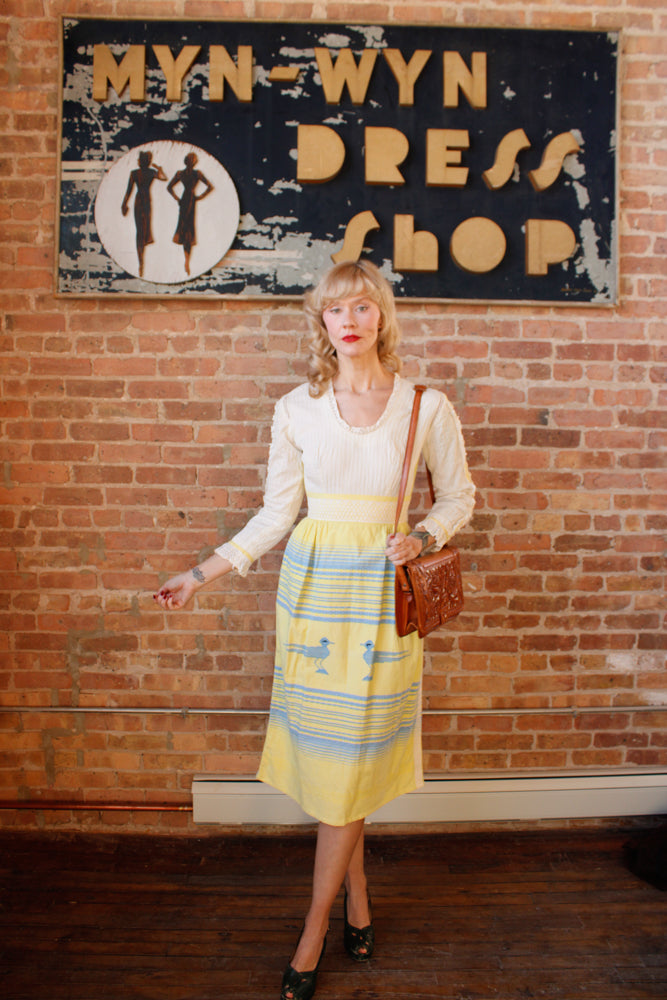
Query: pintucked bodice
353, 473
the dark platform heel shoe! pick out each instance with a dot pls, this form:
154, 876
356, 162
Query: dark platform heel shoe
301, 985
359, 941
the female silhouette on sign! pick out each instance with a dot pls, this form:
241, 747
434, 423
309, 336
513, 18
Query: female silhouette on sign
142, 178
189, 178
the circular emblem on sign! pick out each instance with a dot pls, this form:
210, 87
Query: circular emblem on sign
167, 212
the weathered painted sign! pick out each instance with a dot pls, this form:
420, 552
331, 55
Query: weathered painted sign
220, 158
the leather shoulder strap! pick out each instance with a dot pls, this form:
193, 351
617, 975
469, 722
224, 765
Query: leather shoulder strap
419, 389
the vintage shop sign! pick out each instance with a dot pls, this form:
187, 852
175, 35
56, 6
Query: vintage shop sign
237, 159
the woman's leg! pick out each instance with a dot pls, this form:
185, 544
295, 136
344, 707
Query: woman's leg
336, 846
356, 887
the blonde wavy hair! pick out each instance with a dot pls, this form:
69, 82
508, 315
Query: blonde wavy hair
348, 280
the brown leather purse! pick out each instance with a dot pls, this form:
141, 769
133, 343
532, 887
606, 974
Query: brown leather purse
428, 590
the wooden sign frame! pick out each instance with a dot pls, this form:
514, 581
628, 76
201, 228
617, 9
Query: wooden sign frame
237, 159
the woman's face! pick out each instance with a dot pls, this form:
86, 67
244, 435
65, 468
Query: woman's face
353, 325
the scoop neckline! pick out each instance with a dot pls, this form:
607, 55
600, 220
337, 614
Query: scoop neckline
352, 427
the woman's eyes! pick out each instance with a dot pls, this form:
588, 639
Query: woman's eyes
362, 307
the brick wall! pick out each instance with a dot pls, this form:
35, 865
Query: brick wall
134, 436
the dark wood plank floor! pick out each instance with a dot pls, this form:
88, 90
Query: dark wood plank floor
458, 917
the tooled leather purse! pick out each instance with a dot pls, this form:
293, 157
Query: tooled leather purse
428, 590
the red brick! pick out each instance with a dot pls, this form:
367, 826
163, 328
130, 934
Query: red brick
117, 420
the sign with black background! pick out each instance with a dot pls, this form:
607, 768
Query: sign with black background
217, 158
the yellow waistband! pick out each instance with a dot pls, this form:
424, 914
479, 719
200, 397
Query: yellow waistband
372, 510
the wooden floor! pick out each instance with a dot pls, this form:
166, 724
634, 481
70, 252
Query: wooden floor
459, 917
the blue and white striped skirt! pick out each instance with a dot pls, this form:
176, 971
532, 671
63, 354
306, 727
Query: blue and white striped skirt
344, 733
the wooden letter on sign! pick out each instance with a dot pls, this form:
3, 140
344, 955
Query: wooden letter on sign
106, 70
175, 69
406, 73
385, 149
552, 160
237, 74
548, 241
345, 71
443, 148
508, 149
413, 251
458, 76
320, 154
356, 232
478, 245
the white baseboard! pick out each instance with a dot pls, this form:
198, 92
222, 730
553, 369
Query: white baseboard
452, 800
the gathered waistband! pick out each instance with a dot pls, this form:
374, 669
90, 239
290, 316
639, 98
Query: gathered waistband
333, 507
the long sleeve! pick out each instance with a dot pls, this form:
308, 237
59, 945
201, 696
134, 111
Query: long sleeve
283, 496
444, 454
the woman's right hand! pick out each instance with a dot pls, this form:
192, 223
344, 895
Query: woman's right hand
176, 593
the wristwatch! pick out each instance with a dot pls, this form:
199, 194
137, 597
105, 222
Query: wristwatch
428, 542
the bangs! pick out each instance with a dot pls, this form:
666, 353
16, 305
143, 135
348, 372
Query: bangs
348, 282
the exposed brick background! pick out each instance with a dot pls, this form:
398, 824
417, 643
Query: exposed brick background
134, 437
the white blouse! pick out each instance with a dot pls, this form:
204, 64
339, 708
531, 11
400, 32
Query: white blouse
353, 473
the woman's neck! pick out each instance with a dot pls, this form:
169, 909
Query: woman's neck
363, 377
362, 394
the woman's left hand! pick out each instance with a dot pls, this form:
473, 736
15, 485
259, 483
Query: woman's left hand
402, 548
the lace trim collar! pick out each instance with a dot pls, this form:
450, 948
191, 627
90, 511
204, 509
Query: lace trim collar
363, 430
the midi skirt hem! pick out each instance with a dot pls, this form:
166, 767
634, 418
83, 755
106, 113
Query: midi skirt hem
334, 820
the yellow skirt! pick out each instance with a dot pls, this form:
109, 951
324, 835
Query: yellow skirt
344, 732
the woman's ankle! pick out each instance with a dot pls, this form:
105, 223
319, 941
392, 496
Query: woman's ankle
310, 944
357, 903
356, 886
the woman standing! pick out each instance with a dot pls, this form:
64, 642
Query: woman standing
344, 733
142, 178
189, 179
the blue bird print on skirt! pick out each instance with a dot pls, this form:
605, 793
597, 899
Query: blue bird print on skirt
373, 656
316, 653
